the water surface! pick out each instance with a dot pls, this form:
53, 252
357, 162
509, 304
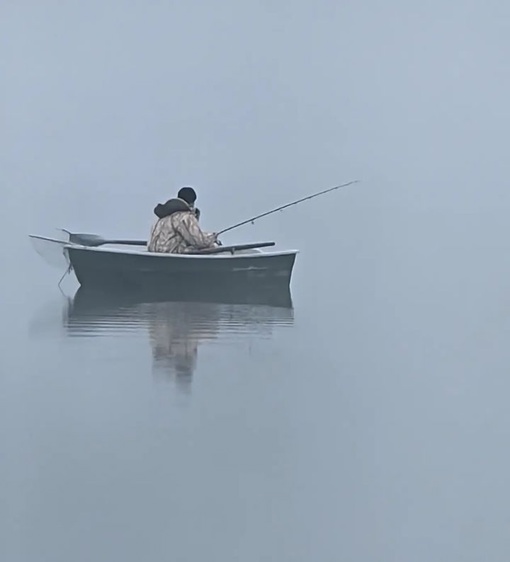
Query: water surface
362, 419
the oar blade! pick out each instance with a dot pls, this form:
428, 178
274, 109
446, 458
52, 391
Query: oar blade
82, 239
94, 240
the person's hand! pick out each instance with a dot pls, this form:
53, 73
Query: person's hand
216, 241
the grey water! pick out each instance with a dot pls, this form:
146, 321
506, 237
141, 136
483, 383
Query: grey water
367, 420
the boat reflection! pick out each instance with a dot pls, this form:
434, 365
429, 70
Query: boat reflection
175, 325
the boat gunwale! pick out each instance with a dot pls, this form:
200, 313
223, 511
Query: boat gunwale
163, 255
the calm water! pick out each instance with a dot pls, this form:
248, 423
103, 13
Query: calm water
366, 420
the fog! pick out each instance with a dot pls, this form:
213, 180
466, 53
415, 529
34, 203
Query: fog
400, 290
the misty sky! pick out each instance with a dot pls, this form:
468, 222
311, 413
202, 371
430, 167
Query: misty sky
109, 106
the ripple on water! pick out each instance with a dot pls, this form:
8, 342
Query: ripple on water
179, 317
175, 329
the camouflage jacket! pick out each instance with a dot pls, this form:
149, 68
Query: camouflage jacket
177, 231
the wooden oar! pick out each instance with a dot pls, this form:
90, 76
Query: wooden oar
95, 240
233, 249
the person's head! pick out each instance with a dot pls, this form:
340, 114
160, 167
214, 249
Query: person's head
187, 194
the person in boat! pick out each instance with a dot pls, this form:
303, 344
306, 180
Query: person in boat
177, 230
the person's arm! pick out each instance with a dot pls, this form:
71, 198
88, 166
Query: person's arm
190, 230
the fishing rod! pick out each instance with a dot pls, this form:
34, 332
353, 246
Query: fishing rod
253, 219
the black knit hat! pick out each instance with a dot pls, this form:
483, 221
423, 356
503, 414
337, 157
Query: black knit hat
188, 194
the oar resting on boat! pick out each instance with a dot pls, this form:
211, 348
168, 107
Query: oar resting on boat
234, 248
94, 240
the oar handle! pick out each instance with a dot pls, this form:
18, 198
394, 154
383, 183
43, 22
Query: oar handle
127, 242
236, 248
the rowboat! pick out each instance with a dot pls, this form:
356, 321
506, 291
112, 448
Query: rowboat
237, 267
113, 264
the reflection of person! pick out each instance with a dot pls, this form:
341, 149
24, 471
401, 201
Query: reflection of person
178, 359
177, 231
176, 329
